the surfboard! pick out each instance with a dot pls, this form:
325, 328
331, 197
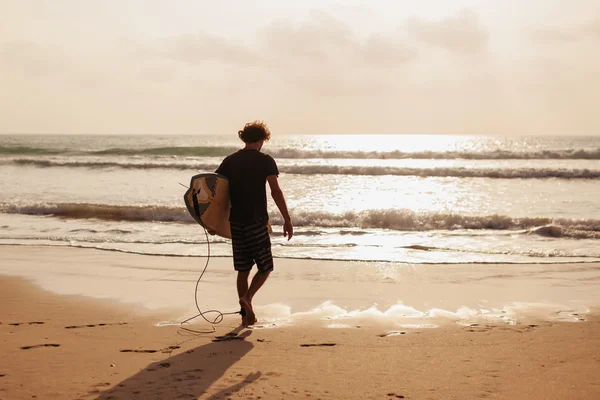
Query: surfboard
207, 200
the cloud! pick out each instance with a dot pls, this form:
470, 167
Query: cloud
553, 35
325, 39
572, 33
461, 32
321, 54
201, 48
31, 58
320, 40
592, 28
325, 56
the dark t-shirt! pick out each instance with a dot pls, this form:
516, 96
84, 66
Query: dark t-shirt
247, 171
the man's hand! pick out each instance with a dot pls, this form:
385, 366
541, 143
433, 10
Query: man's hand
288, 229
277, 194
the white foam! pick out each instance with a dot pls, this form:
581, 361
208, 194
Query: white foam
401, 315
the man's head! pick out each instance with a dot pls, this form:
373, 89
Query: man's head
255, 132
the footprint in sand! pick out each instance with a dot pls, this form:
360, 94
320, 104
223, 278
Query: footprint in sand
318, 344
169, 349
479, 328
397, 396
40, 345
26, 323
395, 333
138, 351
165, 350
94, 325
161, 365
227, 338
578, 317
103, 384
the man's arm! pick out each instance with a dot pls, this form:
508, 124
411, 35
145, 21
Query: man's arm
277, 194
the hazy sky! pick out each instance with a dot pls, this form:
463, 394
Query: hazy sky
405, 66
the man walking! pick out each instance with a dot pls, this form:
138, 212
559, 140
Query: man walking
248, 171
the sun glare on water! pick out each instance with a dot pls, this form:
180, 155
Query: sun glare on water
385, 143
360, 192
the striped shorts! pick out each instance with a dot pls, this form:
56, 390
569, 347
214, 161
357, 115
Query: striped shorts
251, 244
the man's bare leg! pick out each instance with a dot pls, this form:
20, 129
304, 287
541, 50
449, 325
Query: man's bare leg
242, 289
246, 300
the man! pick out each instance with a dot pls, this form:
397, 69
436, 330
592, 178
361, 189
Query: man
248, 170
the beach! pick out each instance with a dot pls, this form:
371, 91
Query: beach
446, 267
421, 175
60, 345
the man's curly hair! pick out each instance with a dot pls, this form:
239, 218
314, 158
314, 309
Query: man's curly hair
254, 132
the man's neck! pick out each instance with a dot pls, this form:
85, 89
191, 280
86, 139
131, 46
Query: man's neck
253, 146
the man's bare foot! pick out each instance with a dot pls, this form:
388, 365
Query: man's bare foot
249, 318
243, 314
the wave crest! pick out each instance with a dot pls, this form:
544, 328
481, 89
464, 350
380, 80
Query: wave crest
406, 220
556, 231
400, 220
442, 172
221, 151
102, 211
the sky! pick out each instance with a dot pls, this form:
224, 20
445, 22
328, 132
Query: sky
509, 67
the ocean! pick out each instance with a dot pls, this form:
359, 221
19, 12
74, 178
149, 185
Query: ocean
427, 199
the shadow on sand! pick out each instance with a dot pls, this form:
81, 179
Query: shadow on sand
188, 375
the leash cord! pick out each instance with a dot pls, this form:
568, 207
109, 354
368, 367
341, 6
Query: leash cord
220, 315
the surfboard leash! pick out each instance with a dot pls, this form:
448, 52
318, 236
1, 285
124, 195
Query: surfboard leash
220, 315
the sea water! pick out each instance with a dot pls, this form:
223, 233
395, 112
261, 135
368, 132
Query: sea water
398, 198
423, 227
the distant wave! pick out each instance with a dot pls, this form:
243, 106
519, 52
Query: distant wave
205, 151
111, 164
460, 172
401, 220
212, 151
578, 154
16, 150
158, 151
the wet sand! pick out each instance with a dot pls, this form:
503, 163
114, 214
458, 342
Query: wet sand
337, 293
71, 347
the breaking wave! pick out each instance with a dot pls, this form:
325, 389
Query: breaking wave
101, 211
400, 220
557, 231
216, 151
460, 172
406, 220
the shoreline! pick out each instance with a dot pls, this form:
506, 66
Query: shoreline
64, 346
334, 293
309, 259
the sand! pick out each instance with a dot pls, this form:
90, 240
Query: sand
70, 347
